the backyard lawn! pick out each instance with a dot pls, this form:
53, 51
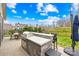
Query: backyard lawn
64, 36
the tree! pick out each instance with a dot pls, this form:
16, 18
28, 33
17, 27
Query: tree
35, 29
25, 28
30, 29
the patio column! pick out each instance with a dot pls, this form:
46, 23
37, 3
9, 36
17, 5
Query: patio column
2, 17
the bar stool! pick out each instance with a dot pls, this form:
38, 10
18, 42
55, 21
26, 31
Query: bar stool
53, 51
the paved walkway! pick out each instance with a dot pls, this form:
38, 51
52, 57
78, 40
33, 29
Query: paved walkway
60, 49
13, 48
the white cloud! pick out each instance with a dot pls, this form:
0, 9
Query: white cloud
14, 11
43, 14
51, 8
64, 16
53, 18
46, 9
11, 5
18, 16
33, 18
39, 6
24, 11
49, 21
71, 9
30, 19
75, 6
26, 18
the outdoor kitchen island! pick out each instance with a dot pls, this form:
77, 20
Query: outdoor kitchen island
36, 44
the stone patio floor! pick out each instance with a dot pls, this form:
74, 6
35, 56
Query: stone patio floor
13, 48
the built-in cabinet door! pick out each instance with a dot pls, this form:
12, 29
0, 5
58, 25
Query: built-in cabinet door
23, 44
33, 49
29, 48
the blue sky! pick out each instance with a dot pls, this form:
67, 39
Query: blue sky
36, 13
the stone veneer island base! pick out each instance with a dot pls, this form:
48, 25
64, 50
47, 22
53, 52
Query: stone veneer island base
36, 44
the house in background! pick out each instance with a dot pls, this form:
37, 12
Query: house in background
7, 27
19, 25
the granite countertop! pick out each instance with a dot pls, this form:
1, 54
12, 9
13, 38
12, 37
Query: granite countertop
39, 40
42, 34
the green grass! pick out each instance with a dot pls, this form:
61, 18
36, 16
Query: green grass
64, 41
64, 36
